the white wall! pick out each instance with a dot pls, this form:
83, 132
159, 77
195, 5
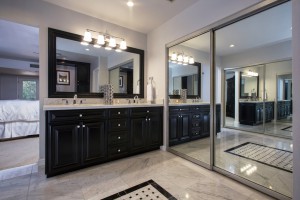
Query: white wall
296, 97
43, 15
17, 64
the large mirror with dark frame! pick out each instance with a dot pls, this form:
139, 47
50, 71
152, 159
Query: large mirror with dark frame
185, 77
82, 70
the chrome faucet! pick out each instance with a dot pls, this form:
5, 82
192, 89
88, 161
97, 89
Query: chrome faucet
75, 99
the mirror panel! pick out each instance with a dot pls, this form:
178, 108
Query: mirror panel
184, 77
78, 69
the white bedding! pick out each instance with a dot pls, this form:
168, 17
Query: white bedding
18, 118
19, 110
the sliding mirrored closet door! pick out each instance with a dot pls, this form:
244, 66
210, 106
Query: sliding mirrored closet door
255, 55
189, 118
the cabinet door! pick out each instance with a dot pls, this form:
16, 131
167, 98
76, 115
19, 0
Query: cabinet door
174, 129
205, 123
65, 148
94, 142
138, 133
154, 130
184, 126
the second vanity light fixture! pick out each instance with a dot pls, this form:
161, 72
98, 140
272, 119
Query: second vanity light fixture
181, 59
105, 40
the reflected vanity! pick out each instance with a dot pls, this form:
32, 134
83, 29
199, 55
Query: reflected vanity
78, 69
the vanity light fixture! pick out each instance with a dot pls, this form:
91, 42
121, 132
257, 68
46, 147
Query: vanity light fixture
181, 59
105, 40
250, 74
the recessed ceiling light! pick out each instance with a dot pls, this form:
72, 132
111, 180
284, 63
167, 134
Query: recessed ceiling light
87, 49
232, 45
130, 3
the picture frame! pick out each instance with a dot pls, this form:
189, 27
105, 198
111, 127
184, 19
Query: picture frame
62, 77
121, 81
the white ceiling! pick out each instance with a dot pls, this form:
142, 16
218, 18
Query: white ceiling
18, 41
144, 16
266, 28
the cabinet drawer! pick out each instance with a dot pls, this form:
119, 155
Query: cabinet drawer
114, 151
76, 115
118, 124
200, 108
117, 137
144, 111
118, 113
179, 109
196, 132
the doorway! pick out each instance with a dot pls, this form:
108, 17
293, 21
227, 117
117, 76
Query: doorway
19, 97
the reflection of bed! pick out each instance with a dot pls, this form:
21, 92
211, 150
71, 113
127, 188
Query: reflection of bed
18, 118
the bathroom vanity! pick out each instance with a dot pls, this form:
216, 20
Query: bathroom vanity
190, 122
251, 112
81, 136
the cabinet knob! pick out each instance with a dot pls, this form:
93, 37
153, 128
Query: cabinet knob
80, 115
119, 124
146, 119
78, 126
119, 150
119, 137
149, 119
119, 113
147, 111
83, 126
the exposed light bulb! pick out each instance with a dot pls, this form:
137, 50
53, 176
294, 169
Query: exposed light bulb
180, 58
101, 39
185, 59
130, 4
123, 45
112, 42
174, 56
87, 36
191, 60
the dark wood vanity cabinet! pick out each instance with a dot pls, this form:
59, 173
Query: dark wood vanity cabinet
146, 129
284, 109
79, 138
118, 132
252, 113
179, 125
188, 123
74, 139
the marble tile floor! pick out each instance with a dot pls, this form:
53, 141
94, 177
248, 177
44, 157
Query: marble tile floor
181, 178
274, 128
267, 176
20, 152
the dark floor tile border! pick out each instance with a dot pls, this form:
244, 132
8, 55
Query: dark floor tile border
236, 147
150, 182
284, 129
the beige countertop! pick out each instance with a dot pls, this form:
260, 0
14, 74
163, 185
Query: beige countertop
189, 104
96, 106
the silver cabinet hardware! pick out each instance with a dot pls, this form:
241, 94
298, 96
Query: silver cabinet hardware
83, 126
78, 126
119, 137
149, 119
119, 113
119, 150
80, 115
119, 124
